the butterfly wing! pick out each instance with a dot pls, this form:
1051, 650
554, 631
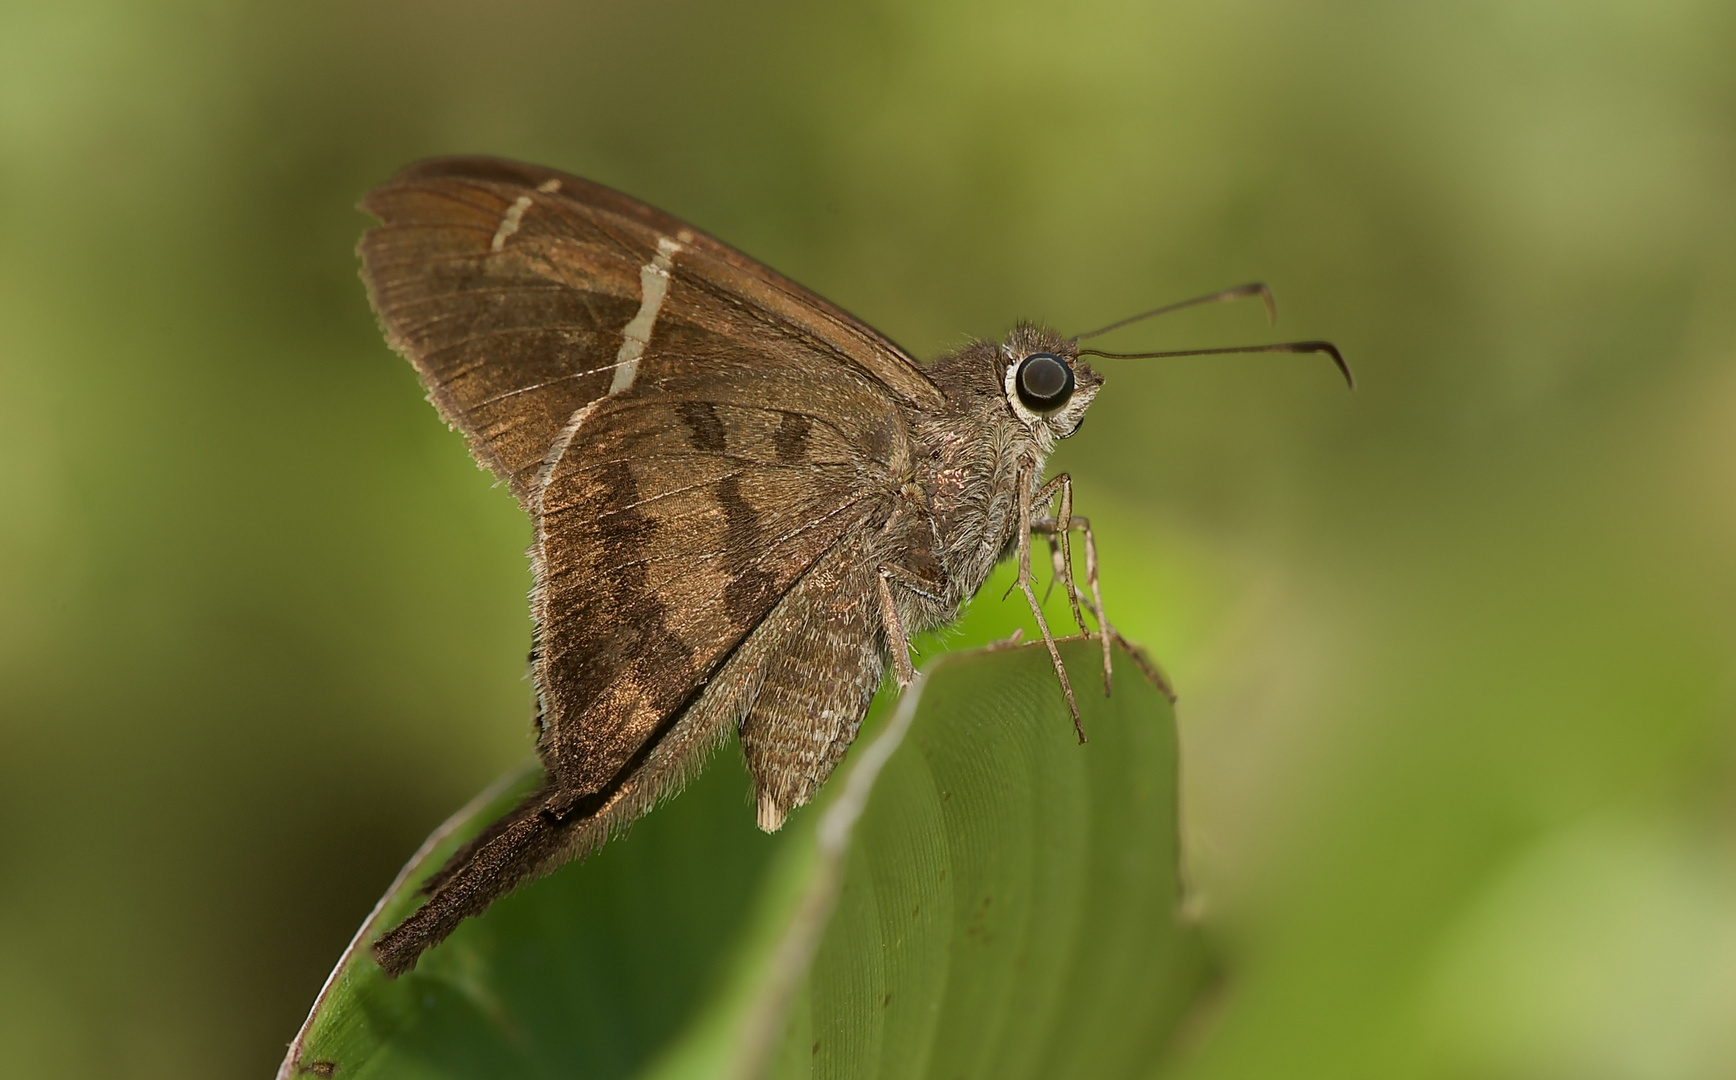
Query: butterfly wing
689, 430
703, 447
513, 290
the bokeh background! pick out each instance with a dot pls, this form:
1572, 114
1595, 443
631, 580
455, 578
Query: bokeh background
1455, 652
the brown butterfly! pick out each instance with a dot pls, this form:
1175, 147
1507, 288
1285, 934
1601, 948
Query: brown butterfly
745, 500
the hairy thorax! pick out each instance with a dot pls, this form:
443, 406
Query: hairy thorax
968, 466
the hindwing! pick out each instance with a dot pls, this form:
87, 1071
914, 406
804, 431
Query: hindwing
661, 548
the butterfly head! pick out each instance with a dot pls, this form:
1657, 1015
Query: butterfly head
1046, 385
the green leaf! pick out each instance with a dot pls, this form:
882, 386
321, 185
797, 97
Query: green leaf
976, 895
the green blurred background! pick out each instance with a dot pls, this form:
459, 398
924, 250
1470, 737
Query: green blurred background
1455, 652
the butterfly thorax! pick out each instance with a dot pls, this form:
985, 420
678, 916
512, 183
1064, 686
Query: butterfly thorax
975, 456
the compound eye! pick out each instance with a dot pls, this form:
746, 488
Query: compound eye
1044, 382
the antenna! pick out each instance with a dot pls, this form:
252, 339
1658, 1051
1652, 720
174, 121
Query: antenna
1284, 347
1253, 288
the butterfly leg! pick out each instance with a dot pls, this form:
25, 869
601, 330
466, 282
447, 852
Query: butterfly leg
1059, 528
1024, 585
1056, 567
1109, 633
1105, 632
897, 642
896, 639
1060, 549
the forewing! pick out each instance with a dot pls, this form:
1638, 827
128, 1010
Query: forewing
512, 288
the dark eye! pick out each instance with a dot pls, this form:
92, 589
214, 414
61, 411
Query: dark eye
1045, 382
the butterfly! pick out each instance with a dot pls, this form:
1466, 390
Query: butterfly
745, 500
